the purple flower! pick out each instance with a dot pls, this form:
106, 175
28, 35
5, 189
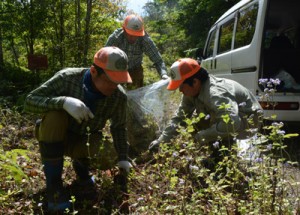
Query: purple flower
275, 81
140, 199
262, 81
277, 125
181, 181
258, 160
267, 96
175, 154
281, 132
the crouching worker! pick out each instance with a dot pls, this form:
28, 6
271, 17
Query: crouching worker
73, 100
204, 93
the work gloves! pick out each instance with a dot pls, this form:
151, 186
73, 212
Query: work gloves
124, 165
77, 109
164, 77
154, 146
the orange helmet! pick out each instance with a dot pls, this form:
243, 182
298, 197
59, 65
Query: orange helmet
114, 62
181, 70
133, 25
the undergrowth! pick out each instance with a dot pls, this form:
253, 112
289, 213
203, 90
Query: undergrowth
179, 181
182, 178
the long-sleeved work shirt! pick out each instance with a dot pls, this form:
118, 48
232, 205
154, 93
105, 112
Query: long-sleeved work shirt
214, 93
51, 96
136, 50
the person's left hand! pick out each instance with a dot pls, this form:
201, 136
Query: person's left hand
164, 77
154, 146
126, 165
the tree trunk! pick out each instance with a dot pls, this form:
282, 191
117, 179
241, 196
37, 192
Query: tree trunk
61, 34
87, 31
1, 50
78, 32
31, 28
14, 51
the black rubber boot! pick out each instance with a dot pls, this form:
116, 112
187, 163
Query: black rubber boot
81, 168
52, 158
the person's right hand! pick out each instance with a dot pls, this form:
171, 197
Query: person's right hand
164, 77
154, 146
77, 109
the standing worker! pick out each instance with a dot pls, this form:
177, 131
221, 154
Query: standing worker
73, 101
134, 41
205, 93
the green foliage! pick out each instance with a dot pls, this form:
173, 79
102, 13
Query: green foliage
186, 23
67, 32
15, 83
10, 166
16, 158
12, 160
179, 181
16, 75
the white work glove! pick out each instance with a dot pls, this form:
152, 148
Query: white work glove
154, 146
164, 77
126, 165
77, 109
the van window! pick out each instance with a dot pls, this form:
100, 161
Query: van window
246, 26
226, 32
211, 43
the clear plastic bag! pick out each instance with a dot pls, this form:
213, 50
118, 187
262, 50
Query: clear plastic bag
150, 109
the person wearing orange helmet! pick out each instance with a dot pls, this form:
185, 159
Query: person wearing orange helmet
73, 100
205, 93
134, 41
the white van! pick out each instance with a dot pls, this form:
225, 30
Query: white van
255, 40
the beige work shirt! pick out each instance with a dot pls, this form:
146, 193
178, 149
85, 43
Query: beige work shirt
243, 108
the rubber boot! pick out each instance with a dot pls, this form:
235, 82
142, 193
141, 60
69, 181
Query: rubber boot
58, 200
82, 171
52, 159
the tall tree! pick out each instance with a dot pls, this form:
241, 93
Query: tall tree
32, 21
61, 32
78, 29
1, 37
87, 31
67, 31
1, 49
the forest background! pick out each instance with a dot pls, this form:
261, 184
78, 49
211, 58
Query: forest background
70, 32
